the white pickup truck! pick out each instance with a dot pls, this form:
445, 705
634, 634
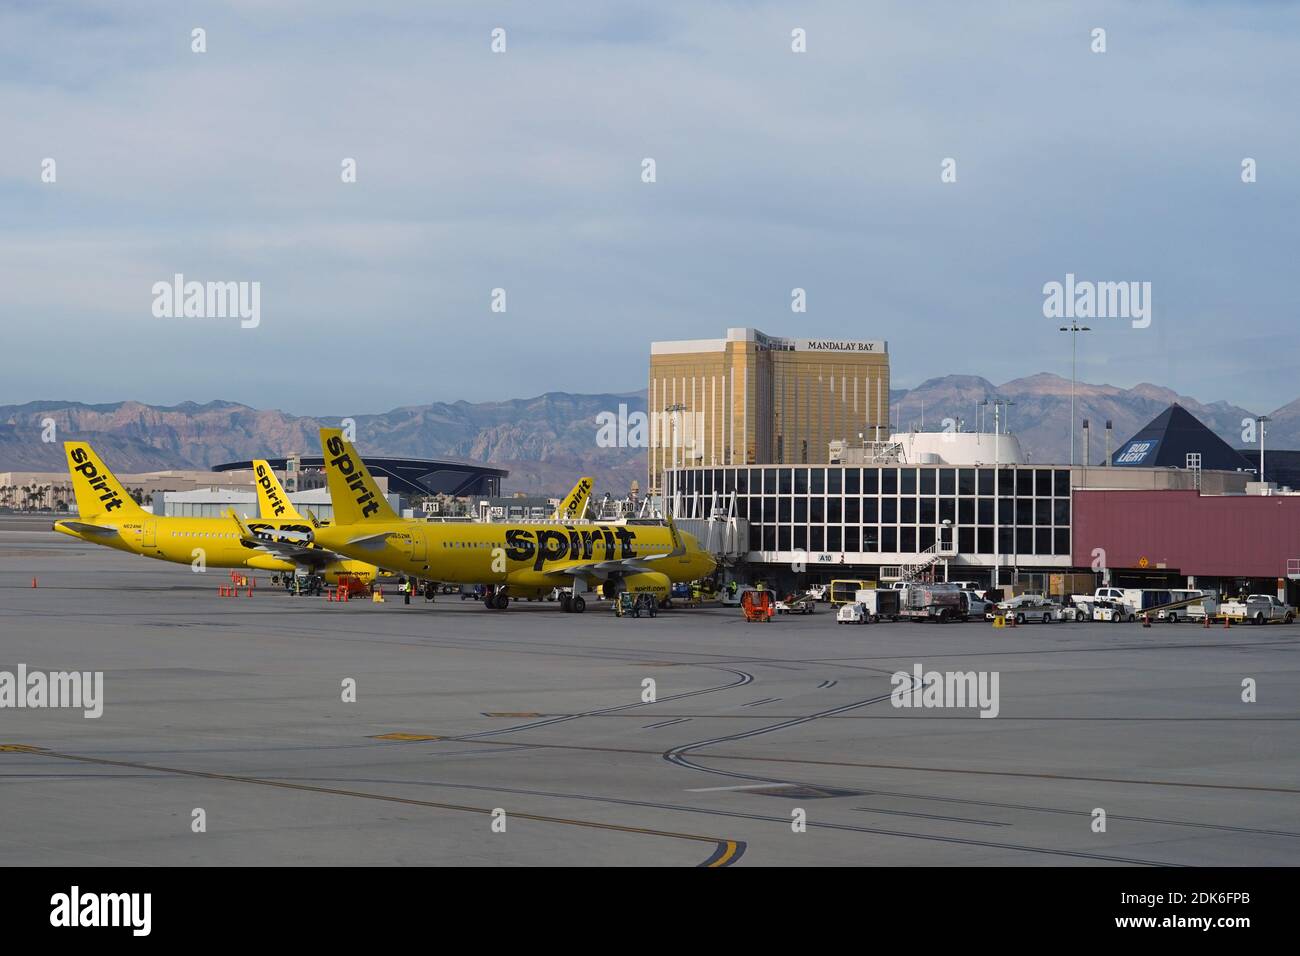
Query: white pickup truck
1031, 607
1257, 609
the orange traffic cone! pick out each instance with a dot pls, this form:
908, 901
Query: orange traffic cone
33, 582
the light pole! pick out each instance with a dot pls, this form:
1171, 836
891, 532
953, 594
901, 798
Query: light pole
1074, 328
672, 411
998, 405
1263, 420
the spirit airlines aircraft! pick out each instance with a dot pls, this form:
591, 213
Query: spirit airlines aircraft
513, 558
575, 502
284, 533
108, 516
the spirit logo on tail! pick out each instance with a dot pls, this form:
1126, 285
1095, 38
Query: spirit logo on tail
354, 476
272, 492
98, 482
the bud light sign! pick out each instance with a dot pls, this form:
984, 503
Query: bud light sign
1138, 452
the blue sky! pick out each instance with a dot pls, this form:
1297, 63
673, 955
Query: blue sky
522, 171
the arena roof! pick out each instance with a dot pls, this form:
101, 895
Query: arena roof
410, 476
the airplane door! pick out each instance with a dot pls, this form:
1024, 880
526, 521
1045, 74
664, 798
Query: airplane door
150, 535
418, 552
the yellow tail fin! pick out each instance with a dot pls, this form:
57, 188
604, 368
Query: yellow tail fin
98, 491
272, 502
574, 504
353, 492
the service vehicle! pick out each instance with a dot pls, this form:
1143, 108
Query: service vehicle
727, 599
758, 606
1257, 609
796, 604
635, 605
879, 603
1134, 600
1194, 609
930, 602
843, 591
818, 591
1024, 608
975, 604
1208, 607
852, 613
1106, 610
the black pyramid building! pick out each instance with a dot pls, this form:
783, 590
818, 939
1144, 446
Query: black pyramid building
1170, 437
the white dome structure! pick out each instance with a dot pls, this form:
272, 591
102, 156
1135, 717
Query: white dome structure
958, 448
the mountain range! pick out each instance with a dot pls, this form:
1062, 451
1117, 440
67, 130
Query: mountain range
547, 440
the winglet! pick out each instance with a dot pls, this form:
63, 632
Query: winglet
245, 531
679, 546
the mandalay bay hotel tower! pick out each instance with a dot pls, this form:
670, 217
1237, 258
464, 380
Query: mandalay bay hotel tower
752, 398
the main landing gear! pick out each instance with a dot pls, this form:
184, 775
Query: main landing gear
572, 603
496, 601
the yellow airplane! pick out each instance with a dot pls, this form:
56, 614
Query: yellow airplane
518, 559
574, 505
108, 516
284, 533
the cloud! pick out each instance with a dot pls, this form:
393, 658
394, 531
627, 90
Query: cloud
521, 171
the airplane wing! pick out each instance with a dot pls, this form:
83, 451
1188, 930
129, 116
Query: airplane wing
292, 551
603, 569
101, 529
297, 552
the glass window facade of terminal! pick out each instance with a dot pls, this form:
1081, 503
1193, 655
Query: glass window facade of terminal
889, 509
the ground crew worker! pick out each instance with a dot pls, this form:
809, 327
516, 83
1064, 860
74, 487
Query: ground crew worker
402, 589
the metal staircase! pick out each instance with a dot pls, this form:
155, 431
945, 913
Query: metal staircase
923, 570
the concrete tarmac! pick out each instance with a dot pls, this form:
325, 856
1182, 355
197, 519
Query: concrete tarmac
766, 744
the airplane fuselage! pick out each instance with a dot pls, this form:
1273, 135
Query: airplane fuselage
216, 541
537, 555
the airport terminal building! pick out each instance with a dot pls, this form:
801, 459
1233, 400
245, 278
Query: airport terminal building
968, 506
